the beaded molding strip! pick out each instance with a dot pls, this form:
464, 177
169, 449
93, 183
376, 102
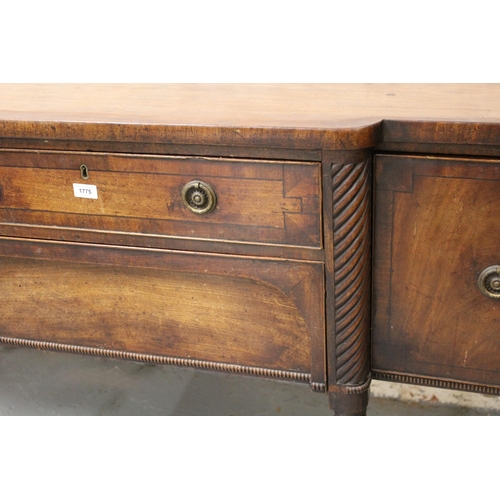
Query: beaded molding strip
166, 360
442, 384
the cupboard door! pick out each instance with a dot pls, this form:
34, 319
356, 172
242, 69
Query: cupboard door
436, 230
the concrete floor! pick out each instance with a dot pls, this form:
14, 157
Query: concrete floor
48, 383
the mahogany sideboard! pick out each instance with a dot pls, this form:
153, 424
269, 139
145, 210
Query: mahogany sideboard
324, 234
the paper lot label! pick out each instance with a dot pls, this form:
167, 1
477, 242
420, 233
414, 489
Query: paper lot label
85, 191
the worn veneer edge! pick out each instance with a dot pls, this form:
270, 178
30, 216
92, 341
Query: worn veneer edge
435, 382
342, 137
166, 360
372, 132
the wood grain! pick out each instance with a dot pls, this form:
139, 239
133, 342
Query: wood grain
257, 201
251, 312
306, 226
163, 149
308, 116
436, 225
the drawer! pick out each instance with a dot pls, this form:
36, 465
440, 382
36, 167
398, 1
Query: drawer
211, 311
436, 230
263, 202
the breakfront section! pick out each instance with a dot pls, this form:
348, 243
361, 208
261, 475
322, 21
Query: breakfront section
436, 304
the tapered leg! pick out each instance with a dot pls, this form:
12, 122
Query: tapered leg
349, 401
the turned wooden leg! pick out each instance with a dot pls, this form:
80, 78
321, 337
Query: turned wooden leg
349, 400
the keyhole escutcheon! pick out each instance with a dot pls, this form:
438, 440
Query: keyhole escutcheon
84, 170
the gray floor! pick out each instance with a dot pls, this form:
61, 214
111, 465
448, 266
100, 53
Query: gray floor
47, 383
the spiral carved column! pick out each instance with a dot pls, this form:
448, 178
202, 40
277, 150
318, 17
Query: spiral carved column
351, 185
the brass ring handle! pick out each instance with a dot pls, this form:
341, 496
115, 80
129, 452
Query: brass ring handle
199, 197
489, 282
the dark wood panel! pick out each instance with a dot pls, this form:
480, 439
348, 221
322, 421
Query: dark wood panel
257, 201
434, 234
253, 312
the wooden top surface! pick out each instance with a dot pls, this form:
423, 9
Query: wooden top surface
290, 115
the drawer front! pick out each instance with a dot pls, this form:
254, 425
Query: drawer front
256, 201
254, 313
435, 232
